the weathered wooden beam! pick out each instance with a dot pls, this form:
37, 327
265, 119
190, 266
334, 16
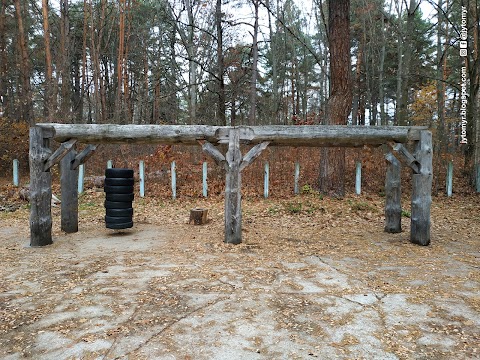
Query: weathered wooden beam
406, 157
69, 185
277, 135
62, 150
233, 196
40, 189
214, 153
422, 191
83, 156
393, 195
252, 154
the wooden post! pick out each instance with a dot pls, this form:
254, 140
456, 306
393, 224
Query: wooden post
204, 179
141, 175
68, 181
393, 195
296, 176
358, 177
15, 173
233, 197
422, 191
266, 180
450, 178
40, 189
81, 178
173, 171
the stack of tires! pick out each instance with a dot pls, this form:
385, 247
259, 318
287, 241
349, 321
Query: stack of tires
119, 196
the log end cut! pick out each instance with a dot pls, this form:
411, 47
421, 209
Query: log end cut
198, 216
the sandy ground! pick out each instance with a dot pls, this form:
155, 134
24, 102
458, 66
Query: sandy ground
325, 282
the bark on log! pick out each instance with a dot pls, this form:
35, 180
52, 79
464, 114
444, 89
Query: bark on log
40, 189
233, 197
393, 195
407, 158
69, 185
83, 156
198, 216
422, 191
277, 135
62, 150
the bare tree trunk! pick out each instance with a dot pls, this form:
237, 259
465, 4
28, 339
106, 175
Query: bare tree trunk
3, 63
253, 89
83, 93
399, 105
332, 173
192, 65
220, 64
26, 92
49, 106
65, 60
405, 73
120, 60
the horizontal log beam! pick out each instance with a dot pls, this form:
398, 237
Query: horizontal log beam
276, 135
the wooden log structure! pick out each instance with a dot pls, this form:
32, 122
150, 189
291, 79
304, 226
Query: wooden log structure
422, 191
393, 195
276, 135
40, 188
69, 185
233, 162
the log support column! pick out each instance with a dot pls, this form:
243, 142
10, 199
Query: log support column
69, 185
393, 195
422, 191
40, 187
233, 195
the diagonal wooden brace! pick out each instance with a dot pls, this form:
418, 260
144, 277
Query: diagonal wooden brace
405, 156
214, 153
254, 153
83, 156
58, 155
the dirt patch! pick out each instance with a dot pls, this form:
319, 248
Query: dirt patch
314, 278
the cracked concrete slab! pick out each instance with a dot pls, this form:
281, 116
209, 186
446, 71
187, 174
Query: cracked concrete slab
151, 293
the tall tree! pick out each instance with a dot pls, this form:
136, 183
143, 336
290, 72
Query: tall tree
49, 107
253, 88
26, 113
339, 106
220, 64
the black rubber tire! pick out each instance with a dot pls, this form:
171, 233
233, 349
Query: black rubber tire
120, 212
119, 182
119, 226
117, 204
119, 173
118, 189
119, 197
117, 220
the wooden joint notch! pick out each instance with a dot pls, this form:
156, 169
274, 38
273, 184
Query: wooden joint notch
406, 157
83, 156
58, 155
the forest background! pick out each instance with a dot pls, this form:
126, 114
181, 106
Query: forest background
240, 62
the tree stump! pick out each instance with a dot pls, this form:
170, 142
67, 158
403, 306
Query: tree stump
198, 216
